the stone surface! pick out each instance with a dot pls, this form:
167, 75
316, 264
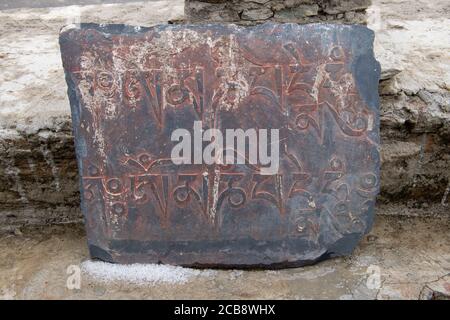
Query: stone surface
250, 12
129, 89
399, 259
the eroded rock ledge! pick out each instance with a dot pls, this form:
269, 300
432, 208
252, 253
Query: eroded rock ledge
37, 160
40, 178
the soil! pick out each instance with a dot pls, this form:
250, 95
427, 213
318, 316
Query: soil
407, 258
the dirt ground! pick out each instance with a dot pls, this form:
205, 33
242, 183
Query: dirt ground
400, 259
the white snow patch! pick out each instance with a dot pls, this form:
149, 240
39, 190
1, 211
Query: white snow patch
142, 274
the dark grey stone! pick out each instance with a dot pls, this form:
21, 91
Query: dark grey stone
130, 87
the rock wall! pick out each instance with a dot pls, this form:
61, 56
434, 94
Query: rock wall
39, 177
38, 174
249, 12
414, 53
415, 105
415, 171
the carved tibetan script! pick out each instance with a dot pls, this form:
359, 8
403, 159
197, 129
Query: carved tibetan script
130, 88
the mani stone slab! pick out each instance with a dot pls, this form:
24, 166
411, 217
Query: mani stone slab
130, 87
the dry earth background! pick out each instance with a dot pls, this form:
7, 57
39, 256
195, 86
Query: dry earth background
410, 241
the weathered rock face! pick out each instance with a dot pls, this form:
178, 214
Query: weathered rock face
39, 178
415, 150
415, 105
38, 172
250, 12
315, 85
411, 46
